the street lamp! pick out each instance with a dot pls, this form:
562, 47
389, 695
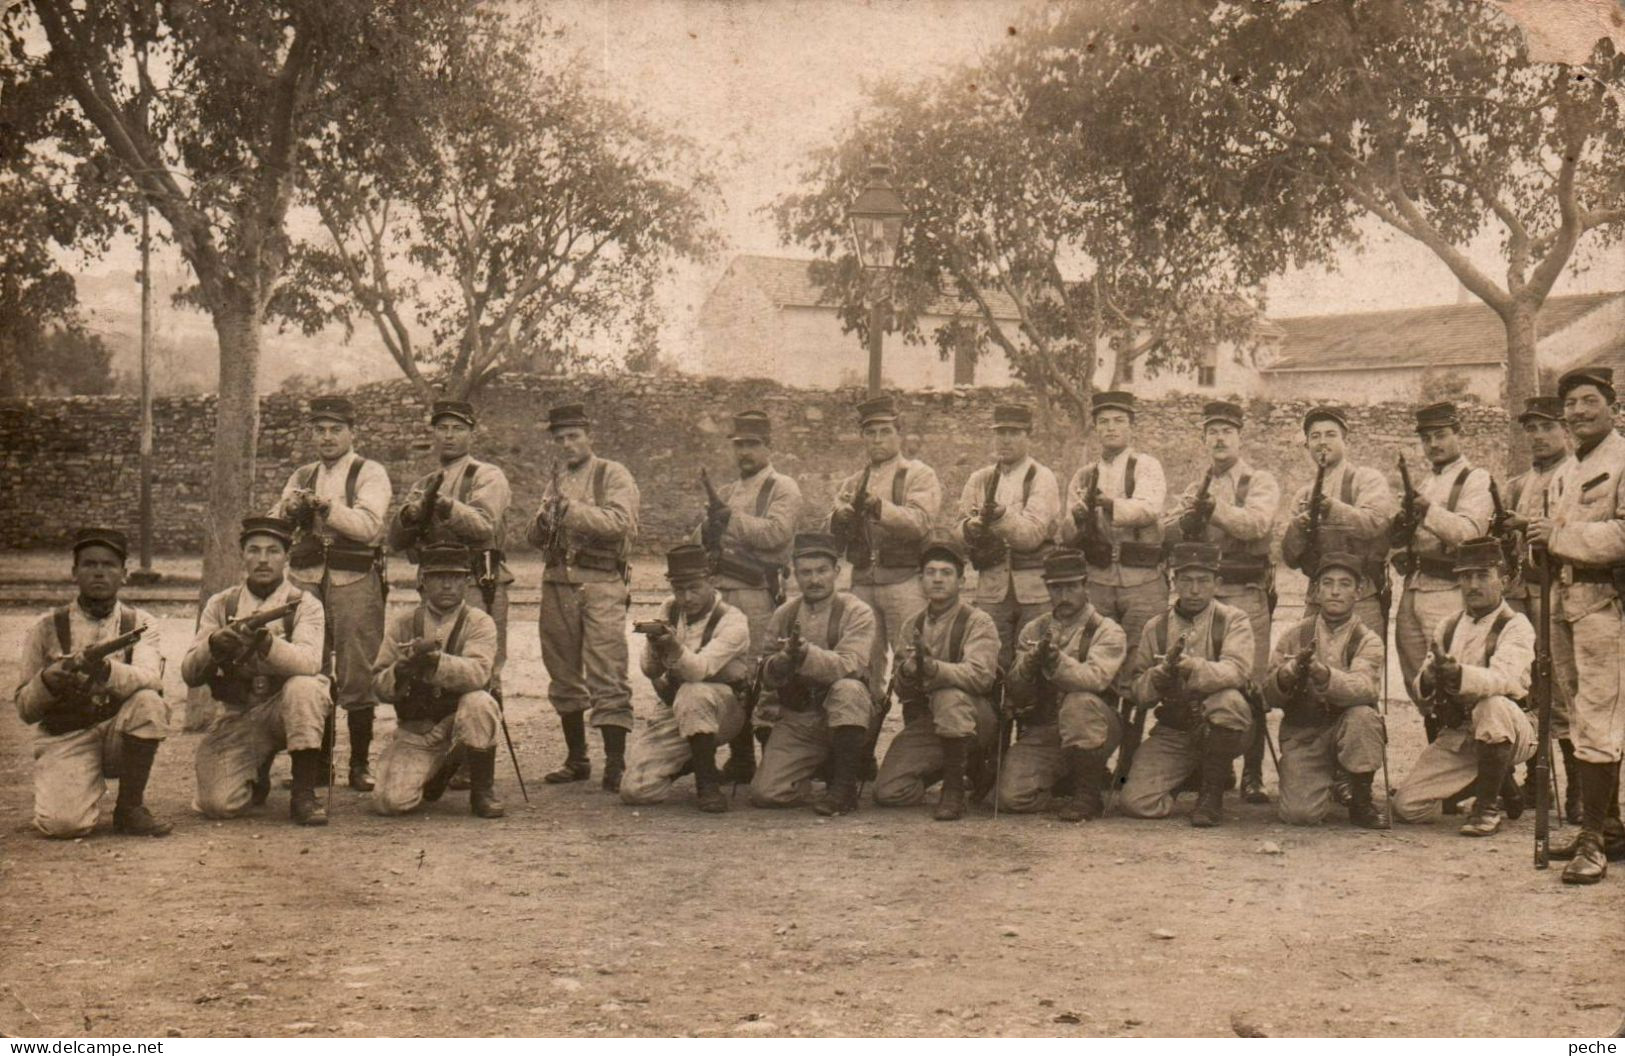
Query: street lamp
877, 218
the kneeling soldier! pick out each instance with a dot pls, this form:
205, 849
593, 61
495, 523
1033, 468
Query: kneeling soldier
823, 642
945, 682
1195, 660
1471, 685
698, 657
259, 650
91, 681
1066, 661
1324, 676
436, 666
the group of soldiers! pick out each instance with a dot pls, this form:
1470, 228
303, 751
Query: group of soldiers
1091, 611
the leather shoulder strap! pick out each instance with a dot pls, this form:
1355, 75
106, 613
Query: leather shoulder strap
454, 640
417, 623
899, 485
711, 624
795, 612
1218, 629
1494, 638
1027, 484
1241, 488
1128, 478
64, 629
1162, 633
1351, 648
1515, 488
1455, 488
1090, 627
598, 485
764, 496
956, 636
1346, 492
231, 603
126, 624
837, 611
465, 487
307, 475
351, 478
1450, 632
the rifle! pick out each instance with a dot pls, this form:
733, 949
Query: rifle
487, 580
1094, 541
1500, 528
1137, 712
1317, 496
791, 645
1174, 698
427, 503
1300, 680
1445, 705
986, 548
551, 540
90, 657
1543, 696
247, 625
861, 532
1193, 525
1403, 531
300, 507
711, 531
87, 701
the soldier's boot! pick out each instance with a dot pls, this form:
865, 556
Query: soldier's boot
1219, 750
1589, 863
1512, 796
130, 814
440, 780
741, 765
576, 765
303, 806
1087, 769
981, 772
482, 779
359, 721
1494, 762
702, 749
1571, 783
951, 802
1252, 766
1342, 788
1363, 809
846, 759
614, 738
261, 789
326, 768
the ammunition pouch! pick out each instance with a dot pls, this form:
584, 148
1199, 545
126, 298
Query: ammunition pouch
1302, 709
79, 712
989, 551
596, 559
342, 555
1440, 566
736, 564
666, 689
890, 555
1101, 553
1613, 575
477, 562
241, 691
423, 701
1184, 714
1250, 570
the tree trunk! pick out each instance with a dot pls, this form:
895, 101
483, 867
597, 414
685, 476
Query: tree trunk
231, 483
1522, 379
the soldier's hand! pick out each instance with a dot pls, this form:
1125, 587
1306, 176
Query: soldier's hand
1425, 681
321, 506
1540, 531
1448, 672
1080, 515
990, 516
412, 513
98, 673
871, 509
1051, 663
1162, 679
57, 678
1107, 504
442, 506
1319, 673
260, 641
925, 668
227, 644
1421, 504
1514, 522
422, 646
722, 516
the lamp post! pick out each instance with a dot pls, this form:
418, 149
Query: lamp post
877, 218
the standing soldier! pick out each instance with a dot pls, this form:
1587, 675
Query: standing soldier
1064, 667
463, 502
92, 683
945, 677
1116, 506
1356, 507
584, 530
1472, 684
1585, 534
747, 531
1451, 505
1204, 721
822, 644
435, 666
338, 505
882, 515
259, 649
698, 657
1325, 675
1011, 509
1233, 506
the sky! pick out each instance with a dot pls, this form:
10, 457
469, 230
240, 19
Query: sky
762, 83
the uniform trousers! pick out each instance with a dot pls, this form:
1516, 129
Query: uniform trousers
1169, 756
1448, 765
71, 769
894, 604
1037, 760
1132, 607
800, 743
1312, 754
583, 628
914, 759
242, 737
659, 751
420, 746
355, 623
1588, 656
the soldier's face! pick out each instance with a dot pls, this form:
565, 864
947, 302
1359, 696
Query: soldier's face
1196, 587
941, 580
264, 559
574, 444
1326, 442
443, 590
98, 571
1068, 599
816, 577
1441, 445
882, 441
452, 438
1336, 591
1481, 589
1223, 442
1010, 444
332, 438
1547, 439
693, 596
750, 456
1589, 412
1115, 429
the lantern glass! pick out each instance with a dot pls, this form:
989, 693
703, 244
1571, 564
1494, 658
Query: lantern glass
877, 239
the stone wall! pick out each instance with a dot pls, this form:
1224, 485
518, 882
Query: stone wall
71, 461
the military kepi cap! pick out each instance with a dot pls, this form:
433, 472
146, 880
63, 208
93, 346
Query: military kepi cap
1479, 553
1339, 559
1601, 377
752, 425
1111, 401
331, 408
459, 409
1223, 411
1325, 413
1548, 407
815, 544
1437, 416
941, 546
272, 526
687, 561
567, 416
1194, 555
1065, 565
444, 557
111, 538
879, 409
1012, 416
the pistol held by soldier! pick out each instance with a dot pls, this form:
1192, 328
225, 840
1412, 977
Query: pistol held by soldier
1010, 511
1060, 689
585, 528
435, 667
697, 656
945, 680
338, 505
91, 687
1325, 676
816, 678
1473, 685
1193, 661
259, 650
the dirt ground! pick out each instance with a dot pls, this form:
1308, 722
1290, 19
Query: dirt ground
579, 916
